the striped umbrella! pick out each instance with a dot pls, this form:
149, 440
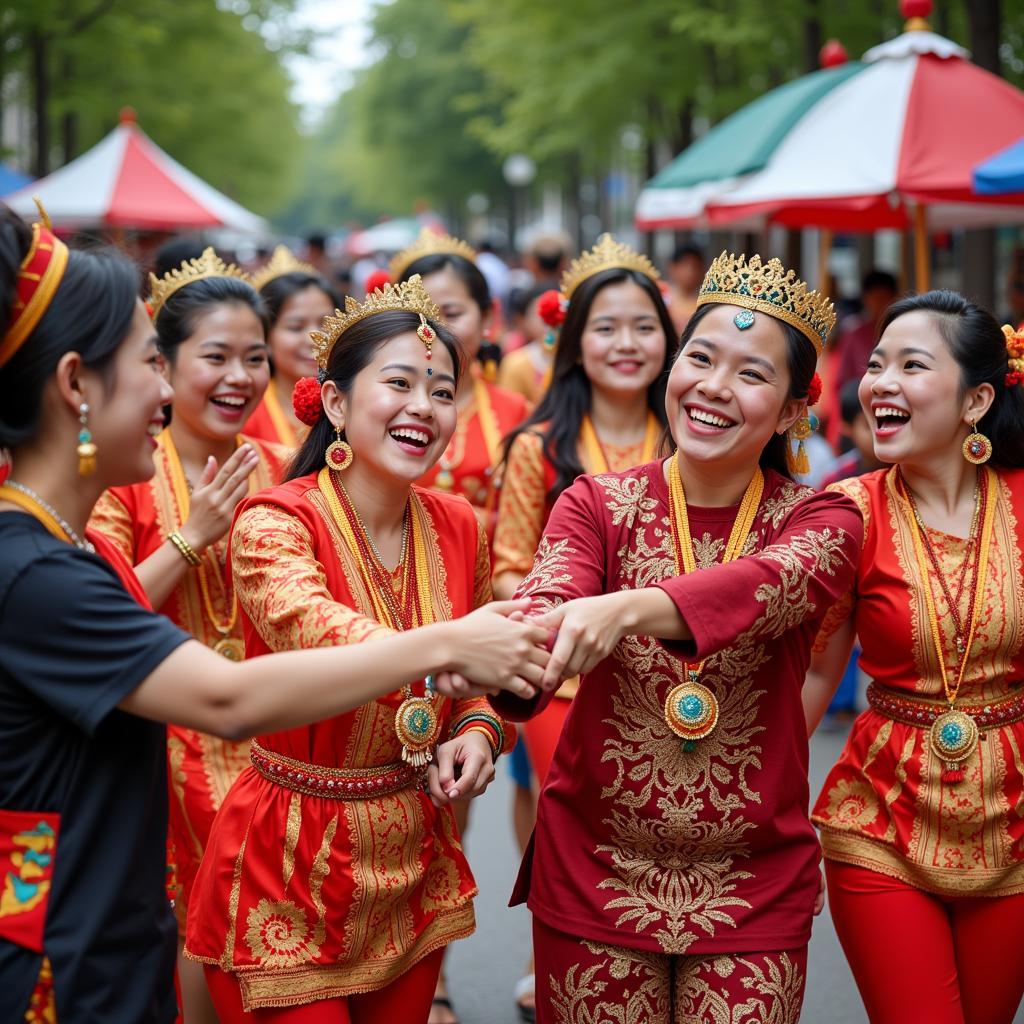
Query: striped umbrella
127, 181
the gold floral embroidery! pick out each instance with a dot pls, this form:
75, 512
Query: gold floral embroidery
521, 506
775, 509
278, 935
855, 490
578, 998
776, 980
292, 830
851, 803
550, 569
707, 551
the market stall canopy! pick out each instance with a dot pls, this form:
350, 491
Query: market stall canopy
1002, 173
11, 180
127, 181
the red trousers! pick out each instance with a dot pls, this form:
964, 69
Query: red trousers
580, 980
542, 735
406, 1000
919, 958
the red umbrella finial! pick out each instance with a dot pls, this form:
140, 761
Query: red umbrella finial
832, 54
127, 115
916, 12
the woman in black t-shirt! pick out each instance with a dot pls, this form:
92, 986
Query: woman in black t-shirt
88, 675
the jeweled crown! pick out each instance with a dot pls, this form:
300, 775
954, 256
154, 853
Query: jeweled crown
207, 265
606, 255
769, 288
284, 261
409, 297
430, 243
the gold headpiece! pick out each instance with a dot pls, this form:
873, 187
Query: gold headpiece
207, 265
430, 243
282, 262
606, 255
769, 288
409, 297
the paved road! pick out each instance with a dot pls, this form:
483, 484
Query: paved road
484, 968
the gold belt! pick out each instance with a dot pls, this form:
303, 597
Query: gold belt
922, 711
332, 783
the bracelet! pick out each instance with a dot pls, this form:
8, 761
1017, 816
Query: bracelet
184, 548
489, 725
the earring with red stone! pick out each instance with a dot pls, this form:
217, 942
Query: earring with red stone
339, 453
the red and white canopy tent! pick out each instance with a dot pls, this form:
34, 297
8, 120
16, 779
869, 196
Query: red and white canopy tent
126, 181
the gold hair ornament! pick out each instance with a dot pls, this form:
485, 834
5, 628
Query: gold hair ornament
768, 288
282, 262
207, 265
408, 297
430, 243
606, 255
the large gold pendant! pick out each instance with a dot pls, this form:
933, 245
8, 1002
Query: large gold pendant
231, 648
417, 726
953, 736
691, 711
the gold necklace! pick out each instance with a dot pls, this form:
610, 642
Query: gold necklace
27, 499
418, 718
691, 709
595, 457
953, 735
228, 645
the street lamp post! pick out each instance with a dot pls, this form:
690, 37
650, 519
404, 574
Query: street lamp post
519, 171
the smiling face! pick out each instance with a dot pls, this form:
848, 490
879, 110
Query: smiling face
220, 373
728, 391
397, 417
289, 340
125, 417
458, 309
623, 342
912, 393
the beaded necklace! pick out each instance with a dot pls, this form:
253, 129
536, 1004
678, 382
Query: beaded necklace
691, 709
228, 645
596, 457
418, 720
27, 499
953, 735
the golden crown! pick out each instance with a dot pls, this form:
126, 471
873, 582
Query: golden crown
769, 288
207, 265
430, 243
409, 297
282, 262
606, 255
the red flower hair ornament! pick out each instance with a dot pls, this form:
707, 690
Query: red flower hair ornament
814, 391
551, 308
306, 401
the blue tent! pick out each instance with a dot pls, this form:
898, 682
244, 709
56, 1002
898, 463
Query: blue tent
1001, 173
11, 180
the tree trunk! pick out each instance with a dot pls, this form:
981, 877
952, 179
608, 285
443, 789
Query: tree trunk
69, 122
984, 21
38, 44
813, 35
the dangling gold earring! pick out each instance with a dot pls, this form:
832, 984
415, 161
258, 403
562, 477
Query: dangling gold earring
798, 463
86, 448
339, 453
977, 447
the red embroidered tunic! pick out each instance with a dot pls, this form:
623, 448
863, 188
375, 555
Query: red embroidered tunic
307, 897
639, 843
884, 805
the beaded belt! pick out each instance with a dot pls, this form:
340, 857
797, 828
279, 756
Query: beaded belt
923, 711
333, 783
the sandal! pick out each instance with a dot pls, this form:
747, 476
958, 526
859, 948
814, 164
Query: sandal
526, 987
445, 1003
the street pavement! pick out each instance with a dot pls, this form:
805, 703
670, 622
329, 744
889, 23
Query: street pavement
483, 969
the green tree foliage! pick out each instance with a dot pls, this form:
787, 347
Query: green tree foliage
206, 83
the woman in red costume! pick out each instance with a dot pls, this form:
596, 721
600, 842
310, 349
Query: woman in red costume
89, 676
334, 877
173, 527
673, 871
919, 818
296, 299
487, 413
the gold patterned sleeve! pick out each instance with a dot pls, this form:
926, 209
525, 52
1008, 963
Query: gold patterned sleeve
111, 517
482, 569
520, 507
282, 588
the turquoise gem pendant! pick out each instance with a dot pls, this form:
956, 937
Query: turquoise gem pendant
691, 711
744, 319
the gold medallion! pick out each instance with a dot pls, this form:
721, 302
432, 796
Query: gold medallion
953, 736
691, 710
231, 648
417, 726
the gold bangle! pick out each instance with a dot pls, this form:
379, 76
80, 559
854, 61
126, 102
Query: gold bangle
185, 549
